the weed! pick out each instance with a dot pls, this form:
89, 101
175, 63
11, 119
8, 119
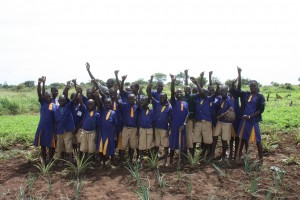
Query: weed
218, 169
254, 184
144, 190
43, 168
30, 156
290, 161
297, 137
135, 171
81, 164
194, 160
160, 179
21, 194
152, 161
4, 143
190, 187
78, 188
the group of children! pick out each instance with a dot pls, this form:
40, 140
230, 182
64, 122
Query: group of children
112, 118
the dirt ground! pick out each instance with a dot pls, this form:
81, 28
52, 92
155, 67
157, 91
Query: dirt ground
21, 179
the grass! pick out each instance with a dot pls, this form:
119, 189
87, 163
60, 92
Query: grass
194, 160
135, 171
152, 161
143, 190
81, 164
43, 168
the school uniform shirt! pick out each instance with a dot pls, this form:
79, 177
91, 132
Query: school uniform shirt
55, 101
146, 118
77, 113
162, 114
202, 108
237, 109
224, 106
130, 114
190, 99
91, 120
105, 140
44, 135
64, 118
179, 112
155, 95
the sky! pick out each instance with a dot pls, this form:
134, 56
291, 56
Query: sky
56, 38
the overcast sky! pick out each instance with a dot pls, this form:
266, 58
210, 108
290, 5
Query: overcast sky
139, 38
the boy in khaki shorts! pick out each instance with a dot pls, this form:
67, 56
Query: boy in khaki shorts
90, 127
64, 128
203, 123
224, 126
146, 126
129, 133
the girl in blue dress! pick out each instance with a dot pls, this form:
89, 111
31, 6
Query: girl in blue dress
44, 136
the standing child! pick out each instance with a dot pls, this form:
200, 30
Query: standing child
90, 126
146, 126
44, 136
179, 116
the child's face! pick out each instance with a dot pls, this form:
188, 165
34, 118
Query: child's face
62, 101
178, 94
187, 90
89, 94
131, 99
160, 87
163, 98
54, 92
91, 105
145, 102
107, 103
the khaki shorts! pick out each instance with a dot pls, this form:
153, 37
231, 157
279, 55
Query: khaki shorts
64, 142
129, 138
203, 131
76, 137
161, 137
146, 138
189, 133
223, 129
87, 139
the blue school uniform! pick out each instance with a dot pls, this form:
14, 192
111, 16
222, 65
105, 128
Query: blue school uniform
105, 140
119, 125
180, 111
44, 135
213, 102
130, 113
203, 108
64, 119
162, 114
146, 118
250, 104
77, 113
155, 95
91, 120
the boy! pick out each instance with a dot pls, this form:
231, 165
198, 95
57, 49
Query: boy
90, 126
179, 118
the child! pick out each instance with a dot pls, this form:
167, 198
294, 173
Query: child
90, 126
64, 127
107, 133
146, 126
44, 136
179, 116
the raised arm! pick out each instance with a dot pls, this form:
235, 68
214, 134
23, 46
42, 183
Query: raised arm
173, 79
201, 79
122, 91
239, 79
210, 75
43, 88
196, 83
117, 78
39, 89
96, 85
186, 81
66, 90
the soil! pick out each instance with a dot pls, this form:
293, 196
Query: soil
21, 179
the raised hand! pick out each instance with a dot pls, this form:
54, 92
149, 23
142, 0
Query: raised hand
44, 79
193, 80
116, 72
74, 81
239, 69
68, 86
40, 80
124, 77
87, 65
186, 71
210, 73
202, 73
